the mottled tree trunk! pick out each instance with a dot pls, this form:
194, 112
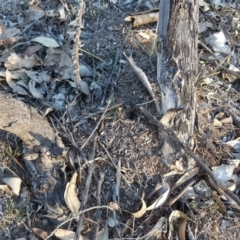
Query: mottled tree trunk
177, 72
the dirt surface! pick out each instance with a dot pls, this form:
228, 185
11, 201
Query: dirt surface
120, 163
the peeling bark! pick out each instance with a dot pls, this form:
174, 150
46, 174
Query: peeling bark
177, 72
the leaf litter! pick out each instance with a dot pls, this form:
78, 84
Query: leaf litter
45, 73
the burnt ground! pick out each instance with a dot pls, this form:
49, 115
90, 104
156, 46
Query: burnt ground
127, 145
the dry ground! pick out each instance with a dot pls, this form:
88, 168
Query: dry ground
126, 144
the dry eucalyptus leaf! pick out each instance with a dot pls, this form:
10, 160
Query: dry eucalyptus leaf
103, 234
142, 211
34, 13
33, 90
217, 123
31, 49
82, 85
64, 234
188, 175
46, 41
114, 206
228, 120
218, 42
14, 183
40, 233
39, 77
176, 214
4, 188
162, 199
16, 88
70, 195
85, 71
15, 62
182, 230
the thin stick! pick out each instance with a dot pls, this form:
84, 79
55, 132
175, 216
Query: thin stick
144, 80
180, 194
96, 127
85, 192
72, 218
98, 212
105, 149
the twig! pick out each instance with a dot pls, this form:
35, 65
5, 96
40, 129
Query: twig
85, 192
96, 127
186, 149
98, 212
72, 218
180, 194
236, 74
105, 149
144, 80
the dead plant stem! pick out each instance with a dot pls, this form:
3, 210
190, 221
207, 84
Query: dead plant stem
85, 192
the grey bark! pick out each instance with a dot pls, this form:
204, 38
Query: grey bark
42, 148
177, 72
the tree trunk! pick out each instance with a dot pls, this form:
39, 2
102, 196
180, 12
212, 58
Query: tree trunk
177, 72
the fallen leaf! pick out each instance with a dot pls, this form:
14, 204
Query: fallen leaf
70, 195
16, 88
33, 90
188, 175
218, 42
40, 233
14, 183
46, 41
142, 211
34, 13
11, 32
103, 234
31, 49
15, 62
64, 234
182, 230
217, 123
173, 217
162, 199
38, 76
4, 187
